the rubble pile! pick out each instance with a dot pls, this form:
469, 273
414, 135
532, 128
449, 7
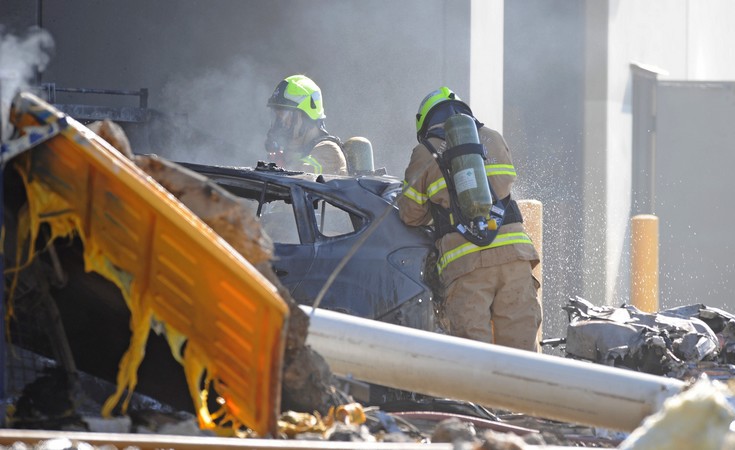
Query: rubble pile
424, 421
682, 342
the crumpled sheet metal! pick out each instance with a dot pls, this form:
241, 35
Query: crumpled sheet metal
172, 270
679, 342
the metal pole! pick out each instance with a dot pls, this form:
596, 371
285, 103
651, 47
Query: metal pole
500, 377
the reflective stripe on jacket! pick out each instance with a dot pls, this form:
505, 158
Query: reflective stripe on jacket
311, 161
426, 184
468, 247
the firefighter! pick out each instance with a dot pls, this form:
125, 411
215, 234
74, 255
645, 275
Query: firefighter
490, 293
298, 138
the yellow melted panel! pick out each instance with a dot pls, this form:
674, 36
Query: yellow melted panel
170, 267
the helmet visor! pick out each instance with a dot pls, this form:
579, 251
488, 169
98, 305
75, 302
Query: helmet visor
282, 118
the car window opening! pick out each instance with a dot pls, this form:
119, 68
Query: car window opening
333, 220
279, 222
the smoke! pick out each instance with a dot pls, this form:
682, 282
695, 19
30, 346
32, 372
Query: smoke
216, 115
21, 58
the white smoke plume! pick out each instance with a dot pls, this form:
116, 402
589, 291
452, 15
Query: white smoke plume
20, 59
216, 115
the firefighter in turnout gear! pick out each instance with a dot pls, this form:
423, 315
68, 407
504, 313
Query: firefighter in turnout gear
489, 289
297, 138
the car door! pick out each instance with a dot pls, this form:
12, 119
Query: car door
336, 226
279, 204
284, 220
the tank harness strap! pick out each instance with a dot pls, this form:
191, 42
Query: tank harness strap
327, 137
512, 211
439, 132
444, 222
448, 220
442, 218
464, 149
451, 220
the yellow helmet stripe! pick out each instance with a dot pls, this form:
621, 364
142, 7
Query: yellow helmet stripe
431, 100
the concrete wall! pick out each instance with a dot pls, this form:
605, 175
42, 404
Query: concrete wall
594, 157
687, 40
710, 54
543, 124
210, 66
694, 159
487, 19
647, 32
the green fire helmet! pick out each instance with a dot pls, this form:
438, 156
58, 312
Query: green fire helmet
299, 92
441, 95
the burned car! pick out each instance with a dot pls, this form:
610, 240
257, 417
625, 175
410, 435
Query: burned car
341, 235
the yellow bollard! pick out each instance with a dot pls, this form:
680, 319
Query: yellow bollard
533, 213
644, 263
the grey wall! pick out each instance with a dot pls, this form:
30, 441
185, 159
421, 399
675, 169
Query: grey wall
210, 66
544, 81
680, 40
693, 191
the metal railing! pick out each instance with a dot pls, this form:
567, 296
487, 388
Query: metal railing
87, 112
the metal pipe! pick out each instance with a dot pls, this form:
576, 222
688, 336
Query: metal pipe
137, 93
500, 377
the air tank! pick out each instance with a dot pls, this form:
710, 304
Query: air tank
359, 154
468, 170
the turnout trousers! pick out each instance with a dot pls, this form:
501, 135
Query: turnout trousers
496, 304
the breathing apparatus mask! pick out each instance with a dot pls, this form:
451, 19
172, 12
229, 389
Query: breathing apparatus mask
295, 102
286, 127
281, 129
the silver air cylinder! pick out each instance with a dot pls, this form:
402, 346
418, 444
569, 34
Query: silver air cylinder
359, 155
468, 171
